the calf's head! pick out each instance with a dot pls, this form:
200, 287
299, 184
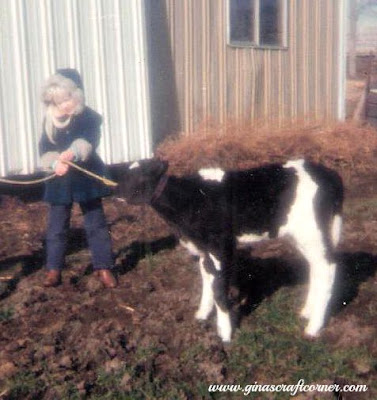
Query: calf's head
138, 181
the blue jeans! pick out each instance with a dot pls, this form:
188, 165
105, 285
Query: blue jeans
97, 234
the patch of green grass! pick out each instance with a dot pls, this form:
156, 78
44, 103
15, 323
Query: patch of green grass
153, 260
25, 383
143, 353
142, 382
71, 393
108, 386
272, 350
6, 314
191, 353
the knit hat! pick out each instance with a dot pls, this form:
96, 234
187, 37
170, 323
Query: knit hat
73, 75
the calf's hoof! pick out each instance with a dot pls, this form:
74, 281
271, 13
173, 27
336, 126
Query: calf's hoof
225, 332
52, 278
305, 313
201, 316
311, 333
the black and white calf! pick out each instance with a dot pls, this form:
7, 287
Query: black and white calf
215, 209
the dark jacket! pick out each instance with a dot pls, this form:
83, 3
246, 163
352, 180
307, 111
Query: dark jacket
75, 186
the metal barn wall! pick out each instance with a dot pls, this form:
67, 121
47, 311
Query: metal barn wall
105, 41
219, 82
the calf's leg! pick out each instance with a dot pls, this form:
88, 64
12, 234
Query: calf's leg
220, 293
207, 299
321, 280
214, 294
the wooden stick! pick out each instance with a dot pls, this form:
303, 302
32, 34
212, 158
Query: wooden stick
32, 182
106, 181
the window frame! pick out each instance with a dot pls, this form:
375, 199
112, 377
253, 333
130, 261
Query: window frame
256, 31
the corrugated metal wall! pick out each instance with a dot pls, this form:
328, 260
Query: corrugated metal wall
105, 40
218, 82
152, 67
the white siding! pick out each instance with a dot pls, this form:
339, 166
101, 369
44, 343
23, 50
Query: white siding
105, 41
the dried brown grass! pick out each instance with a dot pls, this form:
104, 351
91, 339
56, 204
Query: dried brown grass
349, 148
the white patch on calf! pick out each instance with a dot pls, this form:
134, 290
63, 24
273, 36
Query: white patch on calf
190, 247
301, 218
216, 262
224, 326
336, 230
207, 300
321, 285
302, 226
251, 238
134, 165
212, 174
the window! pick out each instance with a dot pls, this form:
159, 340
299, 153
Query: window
260, 23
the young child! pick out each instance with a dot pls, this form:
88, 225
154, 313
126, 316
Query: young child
71, 132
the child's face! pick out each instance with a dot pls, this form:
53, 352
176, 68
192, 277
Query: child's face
64, 105
65, 109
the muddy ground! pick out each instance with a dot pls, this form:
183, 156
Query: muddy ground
140, 340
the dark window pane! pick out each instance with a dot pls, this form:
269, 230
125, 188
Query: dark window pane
271, 29
241, 20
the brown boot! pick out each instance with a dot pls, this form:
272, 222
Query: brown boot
107, 278
53, 278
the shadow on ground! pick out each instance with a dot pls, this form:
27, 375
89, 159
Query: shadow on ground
130, 256
256, 279
259, 278
18, 267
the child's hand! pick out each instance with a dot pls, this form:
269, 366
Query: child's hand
61, 168
67, 155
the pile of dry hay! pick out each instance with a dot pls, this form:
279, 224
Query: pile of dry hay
348, 148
